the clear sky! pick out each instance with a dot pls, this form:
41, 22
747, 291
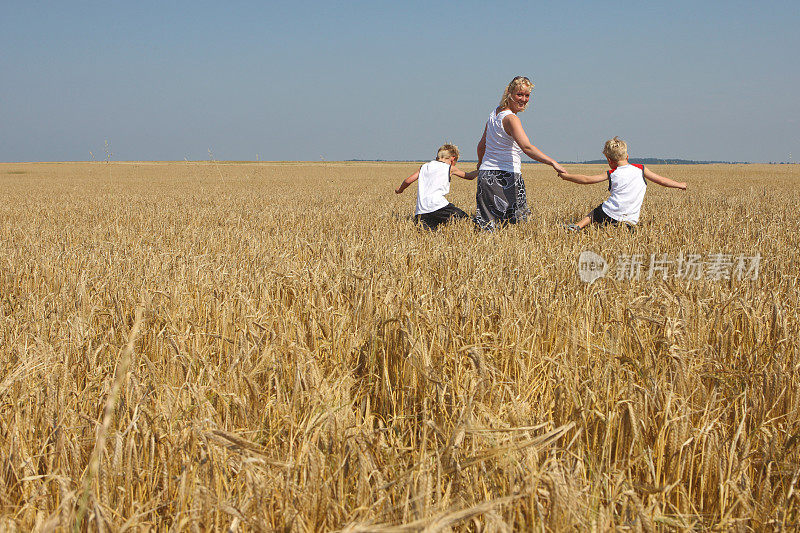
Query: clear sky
713, 80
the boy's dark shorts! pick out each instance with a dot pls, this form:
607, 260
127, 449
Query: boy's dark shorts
600, 217
436, 218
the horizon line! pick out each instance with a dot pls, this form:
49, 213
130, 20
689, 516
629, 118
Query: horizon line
652, 160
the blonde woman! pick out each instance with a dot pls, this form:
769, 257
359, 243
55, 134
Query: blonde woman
501, 191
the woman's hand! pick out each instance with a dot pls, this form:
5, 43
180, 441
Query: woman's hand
558, 168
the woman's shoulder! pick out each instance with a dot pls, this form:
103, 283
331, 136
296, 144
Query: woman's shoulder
498, 114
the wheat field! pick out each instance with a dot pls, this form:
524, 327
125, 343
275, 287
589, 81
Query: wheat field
275, 346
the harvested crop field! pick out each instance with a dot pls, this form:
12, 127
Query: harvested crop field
262, 346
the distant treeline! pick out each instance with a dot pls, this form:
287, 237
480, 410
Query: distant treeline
639, 160
656, 161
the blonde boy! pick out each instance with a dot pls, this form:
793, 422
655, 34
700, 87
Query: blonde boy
627, 184
433, 183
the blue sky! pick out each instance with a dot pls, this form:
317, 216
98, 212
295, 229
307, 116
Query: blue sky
393, 80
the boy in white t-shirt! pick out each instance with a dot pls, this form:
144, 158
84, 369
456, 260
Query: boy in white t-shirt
433, 183
626, 183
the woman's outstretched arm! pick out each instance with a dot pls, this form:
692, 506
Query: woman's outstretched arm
513, 126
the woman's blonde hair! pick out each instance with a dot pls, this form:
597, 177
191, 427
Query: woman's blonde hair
516, 83
616, 149
447, 150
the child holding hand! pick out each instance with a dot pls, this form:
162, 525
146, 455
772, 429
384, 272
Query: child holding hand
433, 183
627, 184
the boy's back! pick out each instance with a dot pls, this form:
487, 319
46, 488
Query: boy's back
432, 187
433, 184
627, 186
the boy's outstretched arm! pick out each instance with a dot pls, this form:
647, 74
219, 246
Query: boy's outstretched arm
581, 178
455, 171
661, 180
406, 182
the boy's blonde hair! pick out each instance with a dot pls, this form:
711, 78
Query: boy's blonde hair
616, 149
447, 150
516, 83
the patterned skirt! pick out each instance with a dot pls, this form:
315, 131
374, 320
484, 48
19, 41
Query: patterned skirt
500, 199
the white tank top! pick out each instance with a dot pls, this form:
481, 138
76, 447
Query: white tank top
627, 186
502, 152
432, 185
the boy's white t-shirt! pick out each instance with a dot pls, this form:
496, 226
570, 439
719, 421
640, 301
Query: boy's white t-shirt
627, 186
502, 151
432, 186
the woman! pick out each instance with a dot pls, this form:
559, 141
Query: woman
501, 191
